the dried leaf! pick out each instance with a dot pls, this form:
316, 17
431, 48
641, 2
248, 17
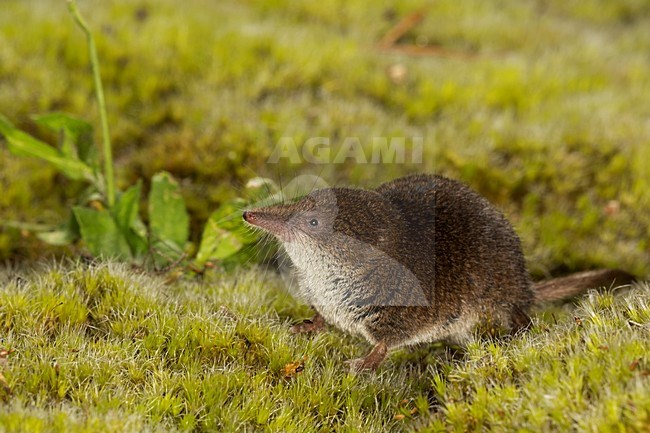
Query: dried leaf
4, 354
294, 368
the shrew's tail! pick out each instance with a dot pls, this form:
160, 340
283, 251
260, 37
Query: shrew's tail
564, 288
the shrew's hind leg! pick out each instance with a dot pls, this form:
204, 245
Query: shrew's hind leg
371, 361
315, 324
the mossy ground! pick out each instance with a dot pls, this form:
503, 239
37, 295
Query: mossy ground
103, 348
548, 119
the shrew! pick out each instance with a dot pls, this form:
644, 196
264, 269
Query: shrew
420, 259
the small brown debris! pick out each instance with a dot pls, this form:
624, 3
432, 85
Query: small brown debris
4, 354
97, 205
294, 368
612, 208
397, 73
141, 14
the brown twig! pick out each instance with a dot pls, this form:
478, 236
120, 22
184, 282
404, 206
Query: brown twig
401, 28
390, 40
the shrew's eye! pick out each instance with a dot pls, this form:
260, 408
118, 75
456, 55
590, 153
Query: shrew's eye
313, 222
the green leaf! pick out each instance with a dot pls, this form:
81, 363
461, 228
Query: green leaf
217, 243
77, 135
137, 239
128, 219
23, 144
168, 218
127, 205
101, 234
165, 252
226, 235
229, 217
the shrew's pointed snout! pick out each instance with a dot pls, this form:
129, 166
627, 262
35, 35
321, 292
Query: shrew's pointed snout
250, 216
267, 221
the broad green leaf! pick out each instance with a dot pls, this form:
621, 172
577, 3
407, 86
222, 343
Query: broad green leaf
128, 220
168, 218
217, 243
229, 217
229, 214
165, 252
77, 135
127, 205
101, 234
23, 144
137, 239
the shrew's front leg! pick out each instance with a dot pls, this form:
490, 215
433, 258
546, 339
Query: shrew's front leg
316, 324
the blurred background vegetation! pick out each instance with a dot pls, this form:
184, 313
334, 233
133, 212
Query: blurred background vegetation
543, 106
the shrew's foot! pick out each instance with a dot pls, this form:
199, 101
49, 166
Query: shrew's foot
371, 361
316, 324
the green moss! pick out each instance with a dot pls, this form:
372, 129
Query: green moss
102, 348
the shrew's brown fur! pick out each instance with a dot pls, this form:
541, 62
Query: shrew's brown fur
419, 259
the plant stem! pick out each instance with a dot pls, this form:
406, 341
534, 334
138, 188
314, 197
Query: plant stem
94, 62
